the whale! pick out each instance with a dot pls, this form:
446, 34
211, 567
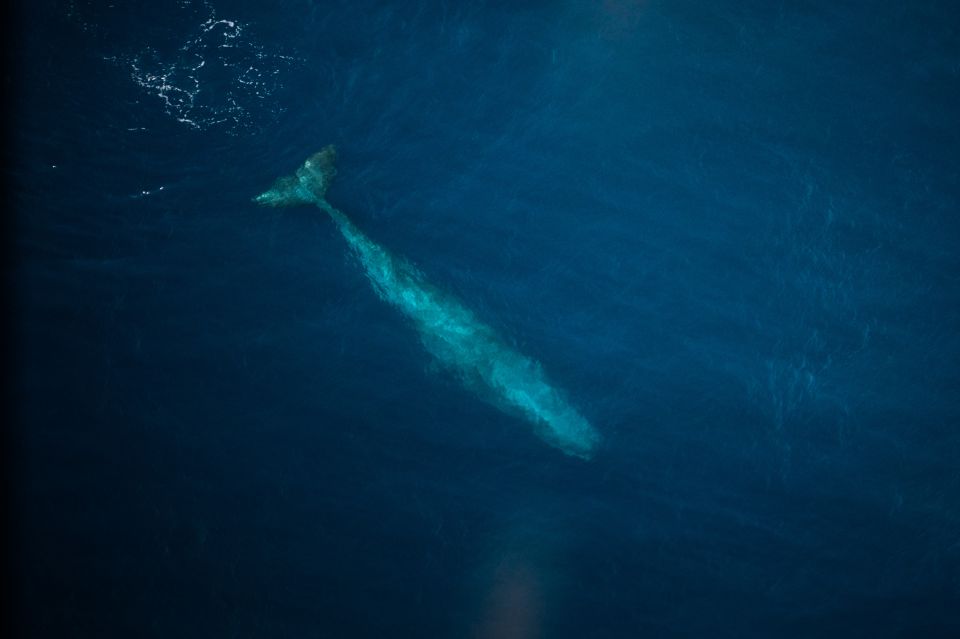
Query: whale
461, 342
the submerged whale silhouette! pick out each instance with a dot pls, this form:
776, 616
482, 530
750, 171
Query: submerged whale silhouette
450, 331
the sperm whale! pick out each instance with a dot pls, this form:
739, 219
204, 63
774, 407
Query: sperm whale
451, 332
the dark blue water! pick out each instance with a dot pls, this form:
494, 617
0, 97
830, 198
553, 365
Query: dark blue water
727, 230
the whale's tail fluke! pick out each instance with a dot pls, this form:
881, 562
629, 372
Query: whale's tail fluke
308, 185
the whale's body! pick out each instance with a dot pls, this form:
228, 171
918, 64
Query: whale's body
449, 330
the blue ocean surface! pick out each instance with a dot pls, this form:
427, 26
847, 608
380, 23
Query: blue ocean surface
690, 366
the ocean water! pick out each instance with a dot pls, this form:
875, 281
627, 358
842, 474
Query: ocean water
725, 232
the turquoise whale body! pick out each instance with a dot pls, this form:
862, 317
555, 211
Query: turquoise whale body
451, 332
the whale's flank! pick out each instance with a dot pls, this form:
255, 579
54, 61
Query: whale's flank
483, 361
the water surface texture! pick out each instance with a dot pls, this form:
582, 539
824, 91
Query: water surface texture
724, 234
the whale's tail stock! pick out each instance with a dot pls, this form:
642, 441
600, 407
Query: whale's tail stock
308, 185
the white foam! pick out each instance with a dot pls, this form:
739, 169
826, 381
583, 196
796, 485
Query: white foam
220, 76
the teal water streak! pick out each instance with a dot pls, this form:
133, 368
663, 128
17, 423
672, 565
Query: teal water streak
451, 332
